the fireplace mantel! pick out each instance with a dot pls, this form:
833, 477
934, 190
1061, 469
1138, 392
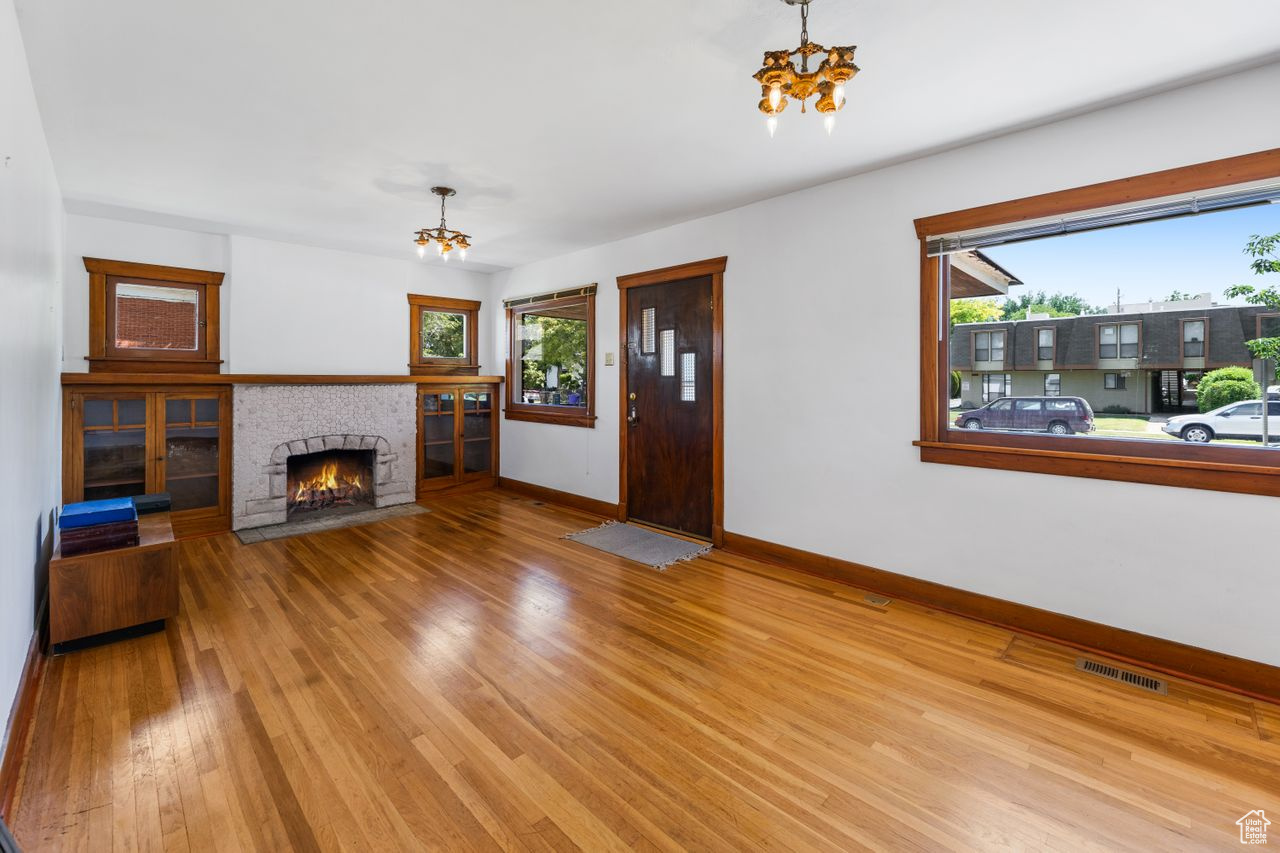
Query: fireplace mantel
70, 379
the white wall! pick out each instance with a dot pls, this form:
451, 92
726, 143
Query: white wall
821, 307
92, 237
30, 271
297, 309
286, 308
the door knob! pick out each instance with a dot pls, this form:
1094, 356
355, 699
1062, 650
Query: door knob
631, 417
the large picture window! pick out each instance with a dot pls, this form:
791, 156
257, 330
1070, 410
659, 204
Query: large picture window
550, 358
1137, 391
144, 317
442, 335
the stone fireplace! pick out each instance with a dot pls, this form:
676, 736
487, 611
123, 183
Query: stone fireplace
305, 451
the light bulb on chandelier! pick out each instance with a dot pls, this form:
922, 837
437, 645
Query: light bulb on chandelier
781, 80
445, 240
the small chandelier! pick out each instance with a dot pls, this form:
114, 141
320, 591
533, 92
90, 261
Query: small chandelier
779, 77
446, 241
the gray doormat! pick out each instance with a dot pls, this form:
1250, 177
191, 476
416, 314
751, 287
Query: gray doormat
640, 544
330, 522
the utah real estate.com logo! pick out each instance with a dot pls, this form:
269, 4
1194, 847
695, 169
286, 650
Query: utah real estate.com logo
1253, 827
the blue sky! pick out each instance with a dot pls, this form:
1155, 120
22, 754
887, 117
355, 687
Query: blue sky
1150, 260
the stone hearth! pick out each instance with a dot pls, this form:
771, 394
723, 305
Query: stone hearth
274, 422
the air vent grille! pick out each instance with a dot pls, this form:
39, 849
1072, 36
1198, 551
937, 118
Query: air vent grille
1124, 676
877, 600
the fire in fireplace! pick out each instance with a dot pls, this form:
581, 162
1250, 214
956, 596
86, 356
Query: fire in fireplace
329, 480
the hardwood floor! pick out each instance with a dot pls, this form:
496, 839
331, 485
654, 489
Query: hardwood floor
465, 680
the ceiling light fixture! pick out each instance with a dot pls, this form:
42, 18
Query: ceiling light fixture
446, 241
779, 78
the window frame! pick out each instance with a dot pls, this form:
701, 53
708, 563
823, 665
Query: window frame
1204, 338
1116, 379
104, 356
1241, 469
516, 410
469, 364
1057, 392
1006, 383
1053, 344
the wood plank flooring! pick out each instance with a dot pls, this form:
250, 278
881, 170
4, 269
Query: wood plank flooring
466, 680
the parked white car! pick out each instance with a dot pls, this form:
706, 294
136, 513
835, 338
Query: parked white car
1234, 420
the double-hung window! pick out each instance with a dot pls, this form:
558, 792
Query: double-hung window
1193, 338
1044, 344
1118, 340
988, 346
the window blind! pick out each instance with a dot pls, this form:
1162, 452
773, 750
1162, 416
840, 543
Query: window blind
516, 301
937, 246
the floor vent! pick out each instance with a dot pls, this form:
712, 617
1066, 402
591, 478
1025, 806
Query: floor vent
877, 600
1115, 673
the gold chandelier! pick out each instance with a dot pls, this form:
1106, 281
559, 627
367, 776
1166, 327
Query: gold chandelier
446, 241
780, 79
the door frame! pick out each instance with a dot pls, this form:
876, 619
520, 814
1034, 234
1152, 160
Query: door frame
715, 268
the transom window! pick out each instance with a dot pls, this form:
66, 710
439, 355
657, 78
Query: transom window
550, 358
442, 335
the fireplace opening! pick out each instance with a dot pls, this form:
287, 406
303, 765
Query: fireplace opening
329, 482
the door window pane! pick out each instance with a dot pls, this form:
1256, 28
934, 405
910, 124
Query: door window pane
688, 373
667, 359
151, 317
647, 333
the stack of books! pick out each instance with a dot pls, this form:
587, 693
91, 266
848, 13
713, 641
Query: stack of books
98, 526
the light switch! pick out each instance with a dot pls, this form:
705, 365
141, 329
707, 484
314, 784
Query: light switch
608, 359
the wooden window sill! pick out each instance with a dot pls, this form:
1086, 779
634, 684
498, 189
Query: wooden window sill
551, 417
1156, 470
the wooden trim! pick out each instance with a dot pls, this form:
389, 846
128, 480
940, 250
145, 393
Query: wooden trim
575, 416
1230, 469
103, 356
1225, 672
1202, 176
157, 272
18, 732
72, 379
469, 364
555, 496
713, 267
679, 272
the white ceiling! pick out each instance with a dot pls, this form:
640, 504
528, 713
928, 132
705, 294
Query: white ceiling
562, 123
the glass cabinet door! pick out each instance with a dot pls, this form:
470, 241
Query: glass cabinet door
192, 450
437, 411
113, 435
477, 432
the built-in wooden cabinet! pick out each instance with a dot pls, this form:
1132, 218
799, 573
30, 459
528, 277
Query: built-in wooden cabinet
125, 441
457, 436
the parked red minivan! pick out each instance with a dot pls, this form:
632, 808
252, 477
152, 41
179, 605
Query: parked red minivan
1057, 415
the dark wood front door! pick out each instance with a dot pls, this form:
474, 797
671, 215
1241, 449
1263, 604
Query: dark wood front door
670, 428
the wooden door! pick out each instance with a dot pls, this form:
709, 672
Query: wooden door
194, 455
112, 446
669, 405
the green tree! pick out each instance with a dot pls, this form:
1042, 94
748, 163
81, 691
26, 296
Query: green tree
1178, 296
561, 343
1226, 385
1263, 250
1056, 305
442, 335
975, 311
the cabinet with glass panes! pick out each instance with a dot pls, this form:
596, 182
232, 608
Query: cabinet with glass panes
123, 443
457, 436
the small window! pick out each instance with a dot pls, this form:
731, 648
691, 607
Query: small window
163, 315
550, 356
1113, 381
1044, 344
443, 335
1129, 340
688, 377
1107, 345
1052, 384
981, 346
1193, 338
997, 346
996, 385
